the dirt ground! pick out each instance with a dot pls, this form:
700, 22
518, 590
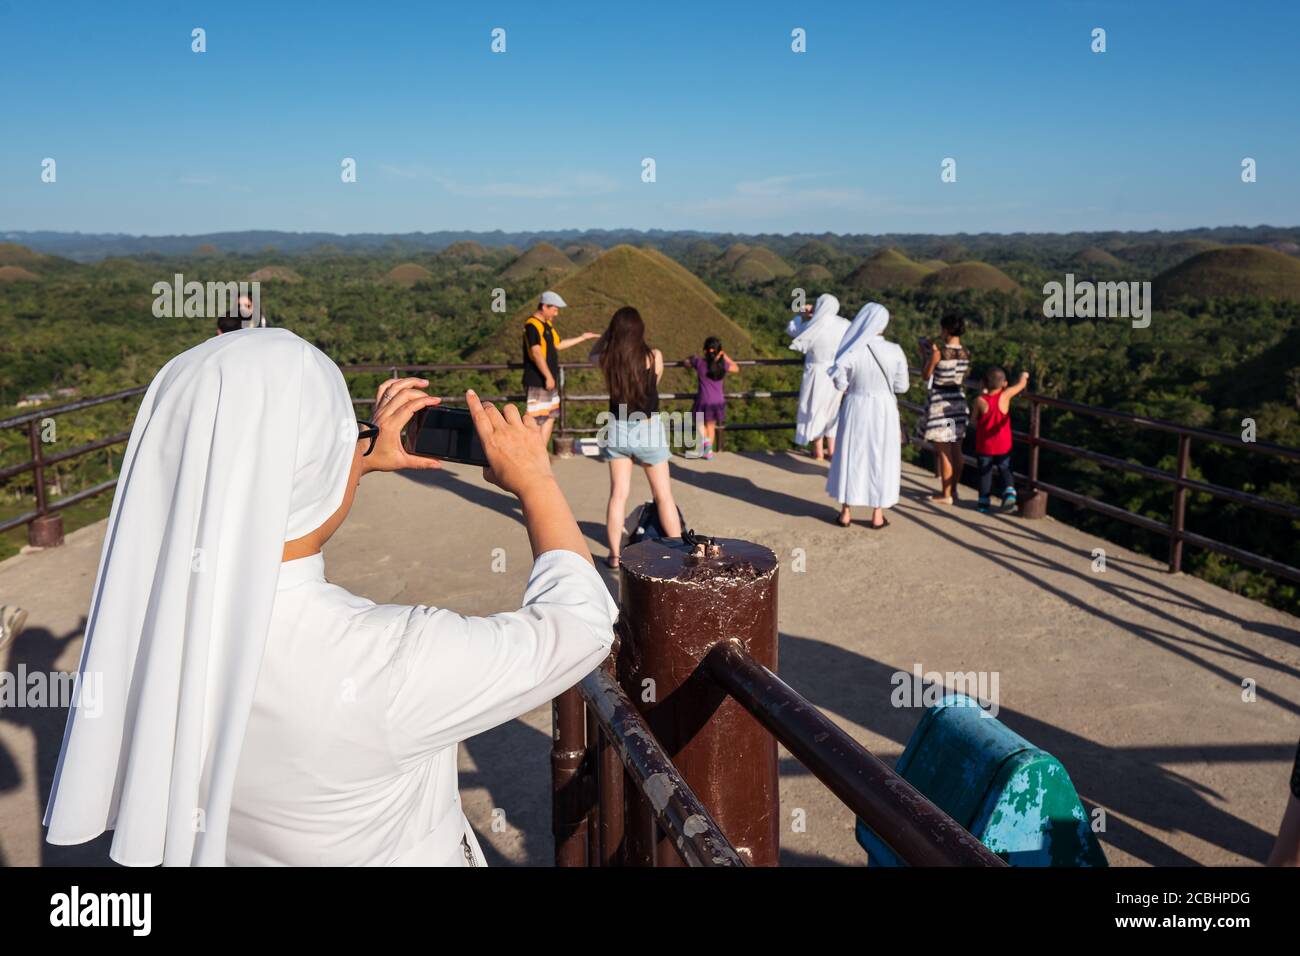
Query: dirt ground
1131, 676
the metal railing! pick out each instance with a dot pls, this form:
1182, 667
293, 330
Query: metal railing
618, 797
1174, 529
33, 422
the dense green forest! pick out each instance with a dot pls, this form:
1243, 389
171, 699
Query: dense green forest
1211, 356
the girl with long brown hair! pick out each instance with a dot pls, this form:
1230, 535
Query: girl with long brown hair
631, 429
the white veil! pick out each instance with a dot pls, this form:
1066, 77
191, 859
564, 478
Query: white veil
240, 444
827, 305
867, 324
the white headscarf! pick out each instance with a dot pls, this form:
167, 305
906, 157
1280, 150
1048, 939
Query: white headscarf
827, 305
241, 443
866, 325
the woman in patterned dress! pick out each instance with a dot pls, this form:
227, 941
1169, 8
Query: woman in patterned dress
946, 411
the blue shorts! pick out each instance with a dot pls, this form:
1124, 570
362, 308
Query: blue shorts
642, 440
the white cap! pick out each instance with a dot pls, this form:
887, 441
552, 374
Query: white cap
550, 298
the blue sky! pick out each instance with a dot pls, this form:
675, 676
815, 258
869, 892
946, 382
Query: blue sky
746, 135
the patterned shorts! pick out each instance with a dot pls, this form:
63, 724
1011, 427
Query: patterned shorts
543, 403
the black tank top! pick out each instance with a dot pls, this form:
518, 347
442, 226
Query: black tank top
649, 403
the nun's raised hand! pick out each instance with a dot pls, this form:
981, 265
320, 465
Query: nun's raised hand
517, 459
396, 401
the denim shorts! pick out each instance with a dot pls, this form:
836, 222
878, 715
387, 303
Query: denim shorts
642, 440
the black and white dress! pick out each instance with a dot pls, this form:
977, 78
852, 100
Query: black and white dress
946, 412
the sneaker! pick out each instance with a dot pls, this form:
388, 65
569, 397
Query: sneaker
1009, 498
983, 506
12, 621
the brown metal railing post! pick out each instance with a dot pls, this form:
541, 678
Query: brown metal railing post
568, 750
679, 603
45, 530
589, 777
610, 800
1176, 520
563, 443
1033, 504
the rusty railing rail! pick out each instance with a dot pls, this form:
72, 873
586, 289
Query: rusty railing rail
1175, 528
622, 746
909, 822
45, 524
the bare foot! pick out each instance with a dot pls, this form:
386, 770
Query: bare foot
941, 500
611, 561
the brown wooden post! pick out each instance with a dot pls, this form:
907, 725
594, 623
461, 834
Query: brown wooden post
678, 603
1176, 520
45, 530
568, 748
1033, 503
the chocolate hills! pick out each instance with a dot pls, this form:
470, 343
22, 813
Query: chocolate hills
582, 253
466, 250
542, 261
1231, 271
970, 276
407, 274
679, 310
759, 264
888, 269
276, 274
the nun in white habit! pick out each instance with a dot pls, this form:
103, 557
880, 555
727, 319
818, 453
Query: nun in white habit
870, 372
818, 337
253, 712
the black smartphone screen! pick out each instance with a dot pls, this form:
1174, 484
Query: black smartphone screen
449, 434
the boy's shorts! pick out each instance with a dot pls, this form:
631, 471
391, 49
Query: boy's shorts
543, 403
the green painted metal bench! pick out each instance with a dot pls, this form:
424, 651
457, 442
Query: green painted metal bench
1017, 799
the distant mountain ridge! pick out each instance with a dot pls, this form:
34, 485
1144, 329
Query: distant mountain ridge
89, 247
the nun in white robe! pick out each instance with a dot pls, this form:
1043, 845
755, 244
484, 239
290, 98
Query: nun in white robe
869, 371
251, 712
817, 337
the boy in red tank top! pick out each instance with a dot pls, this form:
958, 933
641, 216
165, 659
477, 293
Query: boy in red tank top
993, 435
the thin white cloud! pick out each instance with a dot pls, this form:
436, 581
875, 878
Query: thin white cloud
576, 186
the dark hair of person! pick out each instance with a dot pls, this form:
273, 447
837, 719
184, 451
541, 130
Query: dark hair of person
953, 324
229, 323
995, 378
623, 353
713, 355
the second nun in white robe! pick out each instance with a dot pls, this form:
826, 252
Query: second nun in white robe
818, 337
869, 371
252, 713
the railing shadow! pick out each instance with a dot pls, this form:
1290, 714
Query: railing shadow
1127, 781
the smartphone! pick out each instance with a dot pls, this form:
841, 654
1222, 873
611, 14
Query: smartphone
446, 433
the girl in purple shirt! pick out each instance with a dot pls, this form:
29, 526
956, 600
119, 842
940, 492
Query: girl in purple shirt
710, 404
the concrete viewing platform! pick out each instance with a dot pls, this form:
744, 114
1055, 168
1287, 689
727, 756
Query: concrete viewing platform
1132, 677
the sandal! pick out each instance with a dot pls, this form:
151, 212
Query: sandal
844, 524
611, 561
884, 523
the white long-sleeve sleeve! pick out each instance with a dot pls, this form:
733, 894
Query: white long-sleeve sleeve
455, 676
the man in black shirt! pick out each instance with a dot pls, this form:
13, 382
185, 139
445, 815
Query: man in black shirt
542, 345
